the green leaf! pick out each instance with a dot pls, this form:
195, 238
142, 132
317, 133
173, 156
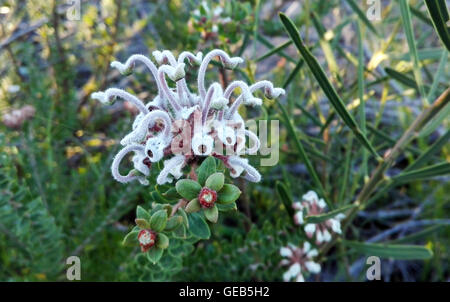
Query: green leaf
188, 188
198, 227
438, 75
328, 215
141, 213
215, 181
286, 198
162, 241
436, 121
274, 50
158, 221
173, 223
193, 206
427, 155
402, 78
212, 214
395, 251
439, 16
207, 168
293, 73
228, 194
427, 172
142, 223
303, 156
171, 194
419, 235
180, 232
407, 25
362, 16
326, 86
226, 207
184, 216
154, 254
131, 239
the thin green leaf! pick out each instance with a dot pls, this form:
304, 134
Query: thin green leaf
436, 121
425, 156
274, 51
362, 106
293, 73
438, 76
270, 45
427, 172
419, 235
439, 16
286, 199
303, 156
326, 86
402, 78
362, 16
328, 215
407, 24
395, 251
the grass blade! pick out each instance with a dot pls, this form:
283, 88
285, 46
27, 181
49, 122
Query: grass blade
439, 16
274, 50
435, 122
424, 157
362, 106
407, 24
326, 86
427, 172
394, 251
285, 197
303, 156
419, 235
269, 45
362, 16
326, 216
400, 77
293, 73
437, 77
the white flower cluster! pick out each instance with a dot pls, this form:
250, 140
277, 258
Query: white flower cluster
299, 261
312, 205
182, 124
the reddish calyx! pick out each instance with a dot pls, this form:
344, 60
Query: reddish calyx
207, 197
147, 239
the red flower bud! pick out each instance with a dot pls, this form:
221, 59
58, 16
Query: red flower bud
147, 239
207, 197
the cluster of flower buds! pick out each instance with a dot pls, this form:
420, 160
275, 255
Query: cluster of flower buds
181, 125
152, 229
312, 205
299, 260
17, 117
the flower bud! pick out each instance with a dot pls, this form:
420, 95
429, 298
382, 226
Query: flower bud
147, 239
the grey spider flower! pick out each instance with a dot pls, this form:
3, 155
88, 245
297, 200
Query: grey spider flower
183, 125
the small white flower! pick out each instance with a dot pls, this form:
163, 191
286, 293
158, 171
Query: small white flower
311, 205
300, 262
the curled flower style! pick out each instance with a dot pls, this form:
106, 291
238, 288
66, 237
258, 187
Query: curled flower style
179, 125
312, 205
299, 260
